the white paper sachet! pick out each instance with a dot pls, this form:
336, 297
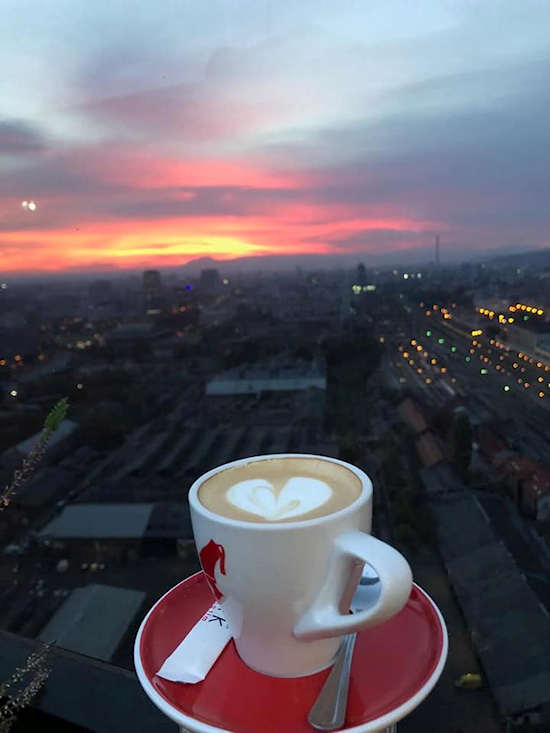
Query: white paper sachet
193, 658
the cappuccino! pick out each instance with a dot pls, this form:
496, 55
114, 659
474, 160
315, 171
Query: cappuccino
284, 489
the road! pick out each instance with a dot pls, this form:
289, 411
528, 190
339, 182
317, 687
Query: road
437, 357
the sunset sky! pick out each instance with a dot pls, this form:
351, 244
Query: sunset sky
150, 134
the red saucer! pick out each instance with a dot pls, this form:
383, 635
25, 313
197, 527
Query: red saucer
395, 665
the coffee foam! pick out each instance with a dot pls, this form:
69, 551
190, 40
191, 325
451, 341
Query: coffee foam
280, 489
299, 495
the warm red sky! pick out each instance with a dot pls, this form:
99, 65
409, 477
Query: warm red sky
153, 210
154, 139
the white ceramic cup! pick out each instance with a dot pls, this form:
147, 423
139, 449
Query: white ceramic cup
286, 586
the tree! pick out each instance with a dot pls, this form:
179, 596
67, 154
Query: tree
460, 441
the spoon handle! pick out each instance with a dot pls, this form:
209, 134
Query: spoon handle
329, 710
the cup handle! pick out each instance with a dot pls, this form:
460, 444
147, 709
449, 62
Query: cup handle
323, 619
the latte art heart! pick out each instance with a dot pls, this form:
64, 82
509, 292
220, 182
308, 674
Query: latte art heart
299, 495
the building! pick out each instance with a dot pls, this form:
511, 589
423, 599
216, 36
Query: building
210, 279
130, 339
411, 414
152, 285
289, 377
429, 450
509, 627
82, 624
100, 291
152, 291
99, 532
59, 444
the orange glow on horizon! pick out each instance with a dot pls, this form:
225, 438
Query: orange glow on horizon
223, 209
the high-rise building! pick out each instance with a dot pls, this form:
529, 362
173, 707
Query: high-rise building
100, 291
210, 279
152, 285
361, 275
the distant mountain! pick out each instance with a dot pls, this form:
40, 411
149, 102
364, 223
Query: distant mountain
413, 258
419, 257
534, 258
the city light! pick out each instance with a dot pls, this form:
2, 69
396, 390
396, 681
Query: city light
440, 341
506, 388
28, 205
13, 393
468, 358
428, 333
453, 348
483, 371
541, 394
79, 386
428, 380
405, 276
534, 309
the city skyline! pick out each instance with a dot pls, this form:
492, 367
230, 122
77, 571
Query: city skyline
253, 129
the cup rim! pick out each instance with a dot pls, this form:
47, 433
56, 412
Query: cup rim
364, 496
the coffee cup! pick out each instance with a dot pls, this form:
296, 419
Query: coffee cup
282, 540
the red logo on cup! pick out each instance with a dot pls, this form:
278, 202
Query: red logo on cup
209, 556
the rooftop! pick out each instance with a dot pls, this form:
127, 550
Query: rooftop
506, 618
279, 377
100, 521
65, 428
411, 414
82, 625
